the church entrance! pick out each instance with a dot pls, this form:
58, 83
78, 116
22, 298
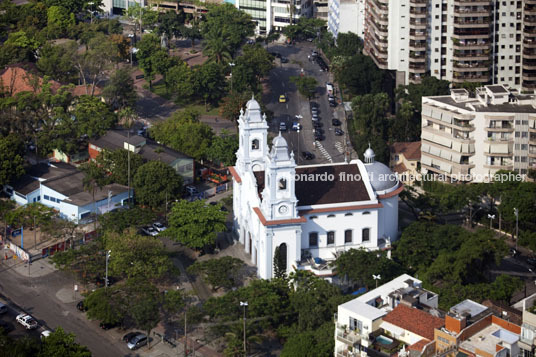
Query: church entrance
283, 255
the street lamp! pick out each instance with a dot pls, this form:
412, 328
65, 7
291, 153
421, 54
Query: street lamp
491, 218
516, 213
232, 64
244, 304
376, 277
108, 252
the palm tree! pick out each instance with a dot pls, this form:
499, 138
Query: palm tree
94, 177
217, 47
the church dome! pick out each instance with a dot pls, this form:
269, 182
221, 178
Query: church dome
252, 104
381, 177
279, 148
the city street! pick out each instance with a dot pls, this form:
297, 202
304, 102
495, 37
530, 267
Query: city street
332, 148
51, 299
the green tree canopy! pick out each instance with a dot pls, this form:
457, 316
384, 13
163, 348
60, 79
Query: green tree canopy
116, 163
223, 149
11, 158
61, 343
220, 273
154, 182
119, 91
209, 82
93, 117
305, 85
56, 61
195, 224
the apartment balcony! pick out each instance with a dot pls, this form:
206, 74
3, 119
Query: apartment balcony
380, 61
529, 76
461, 22
383, 20
499, 166
529, 53
419, 24
530, 20
471, 11
415, 78
527, 64
462, 125
529, 43
529, 86
417, 12
462, 137
417, 35
417, 46
379, 48
417, 68
419, 3
505, 128
470, 34
476, 66
383, 29
379, 7
529, 31
529, 10
472, 78
472, 2
347, 336
460, 171
470, 56
470, 45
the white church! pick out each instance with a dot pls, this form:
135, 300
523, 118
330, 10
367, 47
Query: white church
313, 212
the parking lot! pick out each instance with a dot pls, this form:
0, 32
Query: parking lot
317, 139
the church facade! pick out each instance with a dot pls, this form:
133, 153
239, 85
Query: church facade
312, 213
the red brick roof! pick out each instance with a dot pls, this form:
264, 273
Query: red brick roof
81, 90
400, 168
414, 320
419, 345
15, 79
410, 150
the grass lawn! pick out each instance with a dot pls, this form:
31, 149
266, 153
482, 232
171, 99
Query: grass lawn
159, 89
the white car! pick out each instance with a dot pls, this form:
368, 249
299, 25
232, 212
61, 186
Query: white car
27, 321
150, 230
159, 226
45, 334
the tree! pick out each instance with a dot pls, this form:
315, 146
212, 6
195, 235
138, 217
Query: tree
119, 91
170, 23
116, 163
310, 343
429, 86
184, 133
231, 104
94, 177
173, 302
93, 117
220, 273
306, 85
195, 224
6, 206
156, 183
209, 82
223, 149
144, 304
105, 306
58, 21
191, 32
19, 47
137, 256
31, 216
179, 80
407, 125
349, 44
74, 6
254, 64
56, 61
217, 47
11, 158
280, 270
118, 221
150, 55
359, 75
60, 343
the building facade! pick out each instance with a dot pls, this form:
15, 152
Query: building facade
479, 41
469, 138
342, 16
310, 212
405, 160
270, 15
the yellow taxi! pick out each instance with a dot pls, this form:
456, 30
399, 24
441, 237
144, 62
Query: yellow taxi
282, 98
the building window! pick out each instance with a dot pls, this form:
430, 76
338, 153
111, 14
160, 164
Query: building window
282, 184
348, 236
348, 214
366, 212
331, 238
331, 216
313, 217
255, 144
46, 197
313, 239
355, 324
365, 235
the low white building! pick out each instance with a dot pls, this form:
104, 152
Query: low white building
312, 213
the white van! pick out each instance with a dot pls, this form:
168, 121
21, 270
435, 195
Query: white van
329, 88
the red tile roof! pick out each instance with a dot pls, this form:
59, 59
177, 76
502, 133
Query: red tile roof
15, 79
419, 345
81, 90
410, 150
400, 168
414, 320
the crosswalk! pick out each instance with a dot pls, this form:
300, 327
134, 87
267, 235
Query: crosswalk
323, 151
339, 147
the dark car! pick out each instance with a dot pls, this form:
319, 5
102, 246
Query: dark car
319, 137
339, 132
314, 105
130, 335
532, 261
336, 122
80, 306
332, 103
108, 325
308, 155
6, 326
317, 124
318, 131
284, 60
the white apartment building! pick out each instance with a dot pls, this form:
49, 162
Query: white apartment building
275, 15
479, 41
342, 16
359, 321
116, 7
469, 137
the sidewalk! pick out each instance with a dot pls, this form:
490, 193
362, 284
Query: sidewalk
38, 268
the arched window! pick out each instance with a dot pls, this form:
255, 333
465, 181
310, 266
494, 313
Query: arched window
331, 238
348, 214
255, 144
366, 212
281, 257
365, 234
282, 184
313, 217
331, 216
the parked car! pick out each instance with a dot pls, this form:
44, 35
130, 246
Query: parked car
108, 325
282, 98
314, 110
192, 190
319, 137
81, 307
27, 321
317, 124
308, 155
318, 130
130, 335
514, 252
532, 261
159, 226
3, 308
339, 132
332, 103
336, 122
250, 42
284, 60
150, 231
313, 105
137, 341
282, 126
314, 54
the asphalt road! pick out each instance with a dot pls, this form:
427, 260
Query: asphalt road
38, 297
332, 148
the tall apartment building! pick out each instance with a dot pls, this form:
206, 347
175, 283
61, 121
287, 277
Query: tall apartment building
481, 41
275, 14
469, 137
342, 15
